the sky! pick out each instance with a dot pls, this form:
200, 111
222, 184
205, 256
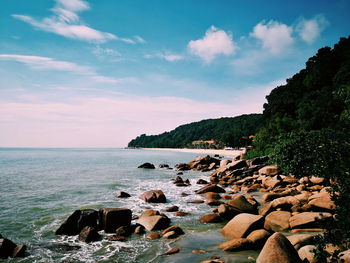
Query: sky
98, 73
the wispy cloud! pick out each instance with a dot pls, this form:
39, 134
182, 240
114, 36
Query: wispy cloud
275, 36
215, 42
310, 29
46, 63
171, 57
66, 22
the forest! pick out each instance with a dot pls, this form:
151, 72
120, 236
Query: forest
227, 131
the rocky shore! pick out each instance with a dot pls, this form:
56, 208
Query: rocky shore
261, 209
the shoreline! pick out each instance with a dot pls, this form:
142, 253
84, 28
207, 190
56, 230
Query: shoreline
226, 153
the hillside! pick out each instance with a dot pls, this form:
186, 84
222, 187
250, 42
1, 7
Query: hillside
226, 130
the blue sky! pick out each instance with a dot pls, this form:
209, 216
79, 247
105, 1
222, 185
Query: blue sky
97, 73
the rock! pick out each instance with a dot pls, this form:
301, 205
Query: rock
258, 160
139, 230
278, 249
181, 184
198, 251
345, 256
271, 183
88, 217
202, 181
300, 240
305, 253
172, 209
178, 179
153, 196
182, 167
307, 219
196, 202
116, 238
112, 218
153, 236
163, 165
211, 196
227, 212
237, 165
242, 224
259, 237
19, 251
277, 221
70, 225
180, 213
187, 181
213, 260
123, 195
123, 231
240, 203
211, 218
177, 231
265, 209
322, 202
316, 180
236, 244
6, 248
285, 203
147, 166
154, 222
270, 170
89, 234
210, 188
172, 251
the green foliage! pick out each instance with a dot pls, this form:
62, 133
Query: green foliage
226, 130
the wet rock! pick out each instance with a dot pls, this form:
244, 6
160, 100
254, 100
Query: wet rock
308, 219
236, 244
123, 195
89, 234
242, 225
154, 222
210, 188
177, 180
112, 218
6, 248
153, 196
172, 209
70, 225
196, 202
116, 238
163, 165
259, 237
180, 173
305, 253
147, 166
181, 184
174, 230
153, 236
198, 251
172, 251
180, 213
19, 251
211, 218
278, 249
270, 170
277, 221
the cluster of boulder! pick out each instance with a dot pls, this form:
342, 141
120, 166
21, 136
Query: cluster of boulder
10, 249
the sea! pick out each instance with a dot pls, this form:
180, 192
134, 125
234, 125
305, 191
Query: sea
40, 187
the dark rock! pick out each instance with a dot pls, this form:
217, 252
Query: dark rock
210, 188
227, 211
147, 166
187, 181
123, 195
181, 184
163, 165
116, 238
202, 181
88, 217
172, 209
153, 236
180, 213
211, 218
123, 231
89, 234
182, 167
178, 179
153, 196
172, 251
6, 248
196, 202
258, 160
70, 225
180, 173
19, 251
240, 203
112, 218
178, 231
139, 230
184, 194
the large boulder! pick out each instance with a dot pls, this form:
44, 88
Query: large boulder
152, 220
172, 232
241, 225
6, 248
278, 249
306, 254
147, 166
19, 251
182, 167
300, 240
88, 217
89, 234
270, 170
112, 218
210, 188
259, 237
321, 202
153, 196
227, 212
241, 203
308, 219
277, 221
236, 244
211, 218
345, 256
70, 226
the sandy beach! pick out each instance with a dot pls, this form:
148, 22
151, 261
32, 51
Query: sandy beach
227, 153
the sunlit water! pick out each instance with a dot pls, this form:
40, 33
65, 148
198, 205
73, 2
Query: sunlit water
41, 187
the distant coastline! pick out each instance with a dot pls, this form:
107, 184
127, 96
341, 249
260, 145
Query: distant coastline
228, 153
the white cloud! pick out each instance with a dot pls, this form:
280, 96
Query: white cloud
166, 56
275, 36
310, 30
215, 42
140, 39
45, 63
66, 22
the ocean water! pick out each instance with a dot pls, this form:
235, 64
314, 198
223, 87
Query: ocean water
39, 188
